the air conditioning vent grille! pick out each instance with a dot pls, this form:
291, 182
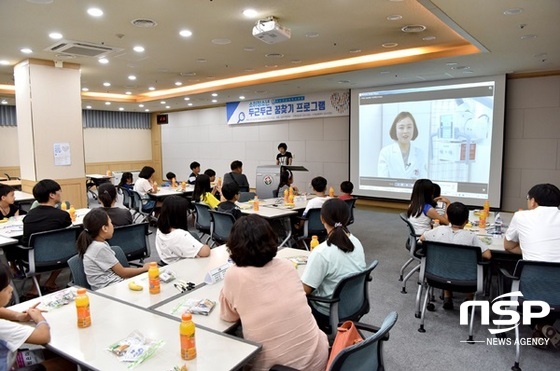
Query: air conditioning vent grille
82, 49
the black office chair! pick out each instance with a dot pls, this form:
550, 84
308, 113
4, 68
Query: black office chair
133, 240
366, 355
127, 198
415, 252
350, 299
313, 226
537, 281
351, 203
11, 177
141, 214
203, 220
76, 264
49, 251
448, 266
221, 226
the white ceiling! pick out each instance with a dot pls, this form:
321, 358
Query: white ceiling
524, 42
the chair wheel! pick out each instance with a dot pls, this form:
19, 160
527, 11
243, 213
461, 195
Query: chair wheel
516, 367
421, 329
403, 291
400, 278
431, 307
417, 315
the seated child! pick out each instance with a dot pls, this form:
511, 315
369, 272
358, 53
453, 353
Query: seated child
216, 188
173, 241
319, 185
230, 191
169, 176
101, 266
440, 203
108, 198
195, 168
346, 189
7, 200
286, 181
202, 192
458, 216
127, 181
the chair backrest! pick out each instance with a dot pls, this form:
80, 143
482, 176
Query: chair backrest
351, 203
79, 278
274, 193
246, 196
539, 281
203, 218
450, 266
411, 242
133, 240
221, 225
136, 200
313, 225
366, 355
354, 295
121, 256
127, 198
51, 250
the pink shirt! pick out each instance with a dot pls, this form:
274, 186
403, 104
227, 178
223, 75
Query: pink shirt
271, 304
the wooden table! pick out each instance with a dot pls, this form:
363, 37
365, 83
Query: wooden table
24, 197
114, 320
168, 191
12, 183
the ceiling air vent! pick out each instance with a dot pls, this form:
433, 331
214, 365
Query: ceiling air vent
413, 28
82, 49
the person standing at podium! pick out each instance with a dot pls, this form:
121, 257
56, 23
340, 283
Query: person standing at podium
284, 157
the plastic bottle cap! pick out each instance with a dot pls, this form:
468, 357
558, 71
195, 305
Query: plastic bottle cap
187, 316
81, 291
314, 237
153, 264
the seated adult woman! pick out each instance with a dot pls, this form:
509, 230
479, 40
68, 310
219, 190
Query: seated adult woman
203, 191
265, 293
339, 255
173, 241
108, 198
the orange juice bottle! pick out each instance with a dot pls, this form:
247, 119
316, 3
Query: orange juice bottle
486, 207
183, 185
286, 196
331, 192
173, 183
153, 278
314, 242
256, 203
72, 213
187, 333
82, 309
63, 206
482, 220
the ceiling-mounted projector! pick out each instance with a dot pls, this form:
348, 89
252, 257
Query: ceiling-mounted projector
269, 31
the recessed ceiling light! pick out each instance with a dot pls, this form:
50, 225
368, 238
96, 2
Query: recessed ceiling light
151, 88
168, 107
312, 34
355, 51
526, 37
26, 51
103, 60
107, 103
85, 89
55, 35
513, 11
178, 83
140, 105
187, 98
95, 12
274, 55
42, 2
394, 17
429, 38
413, 28
249, 49
185, 33
221, 41
344, 82
214, 94
163, 102
460, 68
271, 65
144, 23
214, 101
147, 110
201, 60
249, 69
296, 61
384, 72
4, 101
451, 63
138, 49
389, 45
121, 109
468, 72
88, 107
128, 92
4, 62
250, 13
190, 104
241, 97
132, 77
106, 84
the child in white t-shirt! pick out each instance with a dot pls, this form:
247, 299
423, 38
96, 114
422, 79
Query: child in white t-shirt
458, 216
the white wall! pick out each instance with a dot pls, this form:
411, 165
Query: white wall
321, 145
100, 145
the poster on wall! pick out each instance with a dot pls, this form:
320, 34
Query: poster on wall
289, 108
62, 154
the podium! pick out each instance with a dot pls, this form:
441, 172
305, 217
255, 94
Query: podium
268, 178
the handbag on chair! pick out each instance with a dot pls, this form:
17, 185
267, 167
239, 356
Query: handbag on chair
347, 335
